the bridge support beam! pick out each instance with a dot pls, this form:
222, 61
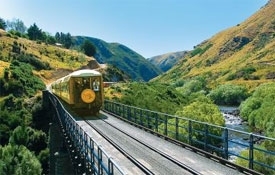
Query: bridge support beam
46, 100
60, 162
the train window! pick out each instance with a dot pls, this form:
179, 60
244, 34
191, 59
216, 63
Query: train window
96, 85
77, 82
86, 82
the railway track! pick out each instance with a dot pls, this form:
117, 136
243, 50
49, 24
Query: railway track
120, 149
210, 156
204, 167
139, 164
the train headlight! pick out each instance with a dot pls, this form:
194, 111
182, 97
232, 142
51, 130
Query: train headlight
88, 95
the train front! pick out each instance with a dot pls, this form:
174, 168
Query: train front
86, 87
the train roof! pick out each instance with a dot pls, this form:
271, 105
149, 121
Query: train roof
85, 73
78, 73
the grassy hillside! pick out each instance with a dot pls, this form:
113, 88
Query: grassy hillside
168, 60
243, 54
122, 57
25, 67
51, 61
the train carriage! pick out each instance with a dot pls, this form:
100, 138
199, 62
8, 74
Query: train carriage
82, 90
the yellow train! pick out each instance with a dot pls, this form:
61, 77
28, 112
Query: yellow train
82, 90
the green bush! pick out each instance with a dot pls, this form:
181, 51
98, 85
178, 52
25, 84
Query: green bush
43, 158
231, 76
16, 120
259, 109
152, 96
192, 86
33, 139
259, 157
200, 51
18, 160
202, 109
228, 94
35, 62
21, 80
196, 51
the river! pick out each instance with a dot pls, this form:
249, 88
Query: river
234, 121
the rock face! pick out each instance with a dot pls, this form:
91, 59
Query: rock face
92, 64
234, 44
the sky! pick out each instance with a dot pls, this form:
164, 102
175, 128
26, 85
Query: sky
149, 27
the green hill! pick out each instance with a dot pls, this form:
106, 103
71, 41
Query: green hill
243, 54
50, 61
121, 57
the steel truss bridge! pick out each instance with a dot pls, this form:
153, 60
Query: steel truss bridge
211, 141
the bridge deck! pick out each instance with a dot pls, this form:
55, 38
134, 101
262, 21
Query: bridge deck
196, 161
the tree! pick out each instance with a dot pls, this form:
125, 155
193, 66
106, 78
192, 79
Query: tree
35, 33
19, 136
50, 39
57, 37
65, 39
34, 140
68, 41
18, 160
17, 25
258, 157
259, 109
23, 79
190, 87
202, 109
88, 48
228, 94
3, 24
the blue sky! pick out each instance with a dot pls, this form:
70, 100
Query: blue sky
149, 27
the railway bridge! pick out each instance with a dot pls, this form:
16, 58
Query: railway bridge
130, 140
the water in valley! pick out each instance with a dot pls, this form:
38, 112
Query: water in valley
233, 121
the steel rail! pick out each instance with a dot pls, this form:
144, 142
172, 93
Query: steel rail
131, 158
175, 161
194, 149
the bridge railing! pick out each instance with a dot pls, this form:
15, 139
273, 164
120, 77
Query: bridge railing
95, 159
205, 136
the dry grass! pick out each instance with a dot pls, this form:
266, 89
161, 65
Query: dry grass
222, 59
3, 65
110, 93
60, 59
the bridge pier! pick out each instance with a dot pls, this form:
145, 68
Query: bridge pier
64, 157
46, 100
60, 162
78, 161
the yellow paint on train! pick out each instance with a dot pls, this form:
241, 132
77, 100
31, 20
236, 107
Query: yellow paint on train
82, 90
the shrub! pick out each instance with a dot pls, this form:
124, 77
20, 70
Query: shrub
35, 62
21, 80
202, 109
157, 97
196, 51
16, 159
228, 94
259, 157
259, 109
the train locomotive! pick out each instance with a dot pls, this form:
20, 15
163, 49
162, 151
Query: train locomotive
82, 90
